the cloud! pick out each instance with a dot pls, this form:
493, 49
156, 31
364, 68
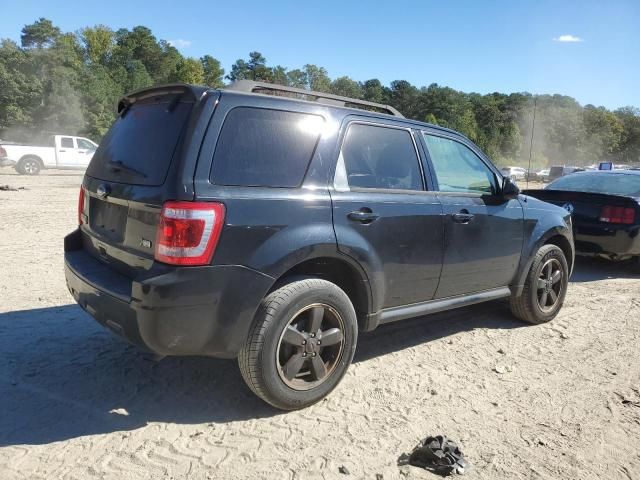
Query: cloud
568, 39
180, 43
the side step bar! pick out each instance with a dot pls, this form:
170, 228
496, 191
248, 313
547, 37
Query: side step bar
394, 314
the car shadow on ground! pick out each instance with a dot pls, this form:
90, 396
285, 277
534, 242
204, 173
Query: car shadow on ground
591, 269
63, 376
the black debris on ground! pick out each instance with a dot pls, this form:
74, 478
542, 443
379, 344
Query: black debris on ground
438, 455
9, 188
343, 470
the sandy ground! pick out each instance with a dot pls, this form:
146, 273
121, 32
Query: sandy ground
534, 402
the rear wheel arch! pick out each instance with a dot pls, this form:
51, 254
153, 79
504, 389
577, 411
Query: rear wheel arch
339, 271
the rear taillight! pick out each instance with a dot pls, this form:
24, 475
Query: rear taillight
623, 215
188, 232
81, 206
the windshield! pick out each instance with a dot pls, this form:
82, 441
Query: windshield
613, 184
140, 145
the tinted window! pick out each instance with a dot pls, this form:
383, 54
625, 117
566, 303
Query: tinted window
141, 142
612, 183
66, 142
265, 148
380, 157
458, 168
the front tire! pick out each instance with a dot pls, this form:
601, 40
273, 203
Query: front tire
545, 287
300, 344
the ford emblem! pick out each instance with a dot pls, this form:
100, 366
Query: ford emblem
103, 191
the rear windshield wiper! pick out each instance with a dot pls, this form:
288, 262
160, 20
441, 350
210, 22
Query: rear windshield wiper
118, 166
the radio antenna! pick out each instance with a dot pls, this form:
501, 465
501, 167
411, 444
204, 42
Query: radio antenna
533, 129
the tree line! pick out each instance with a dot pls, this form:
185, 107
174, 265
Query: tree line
69, 82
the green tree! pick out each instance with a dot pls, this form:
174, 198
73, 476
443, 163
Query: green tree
374, 91
20, 88
254, 69
189, 70
213, 72
297, 78
39, 34
346, 87
317, 78
98, 43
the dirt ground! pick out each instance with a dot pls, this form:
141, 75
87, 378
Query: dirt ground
525, 402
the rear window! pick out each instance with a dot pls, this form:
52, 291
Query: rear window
610, 183
140, 145
265, 148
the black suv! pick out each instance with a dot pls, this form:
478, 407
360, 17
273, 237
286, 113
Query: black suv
272, 224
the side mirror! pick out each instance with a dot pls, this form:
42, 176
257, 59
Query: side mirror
509, 188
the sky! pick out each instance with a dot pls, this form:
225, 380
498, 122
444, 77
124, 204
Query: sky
587, 49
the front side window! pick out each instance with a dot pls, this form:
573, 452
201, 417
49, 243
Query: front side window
265, 148
458, 168
66, 142
379, 157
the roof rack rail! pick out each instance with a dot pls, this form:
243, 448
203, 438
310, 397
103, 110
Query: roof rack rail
327, 98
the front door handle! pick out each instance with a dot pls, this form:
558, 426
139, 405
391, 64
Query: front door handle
364, 215
463, 217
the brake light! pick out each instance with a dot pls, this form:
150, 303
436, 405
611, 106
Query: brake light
188, 232
80, 205
624, 215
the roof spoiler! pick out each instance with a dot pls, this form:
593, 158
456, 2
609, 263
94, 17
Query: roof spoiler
250, 86
170, 89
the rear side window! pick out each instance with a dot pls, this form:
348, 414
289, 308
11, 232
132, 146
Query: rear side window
140, 145
66, 142
265, 148
379, 157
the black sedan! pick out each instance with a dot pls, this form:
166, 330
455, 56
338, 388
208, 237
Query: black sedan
605, 208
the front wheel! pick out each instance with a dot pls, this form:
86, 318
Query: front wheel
300, 345
545, 287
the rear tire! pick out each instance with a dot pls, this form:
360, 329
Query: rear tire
300, 344
545, 287
29, 166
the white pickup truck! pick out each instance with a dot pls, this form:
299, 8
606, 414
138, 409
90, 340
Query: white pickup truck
64, 152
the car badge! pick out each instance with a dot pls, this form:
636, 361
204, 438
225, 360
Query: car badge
103, 190
568, 207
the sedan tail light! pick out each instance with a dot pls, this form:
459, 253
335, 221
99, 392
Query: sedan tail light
623, 215
188, 232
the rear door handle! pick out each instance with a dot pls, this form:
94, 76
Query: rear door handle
363, 216
462, 217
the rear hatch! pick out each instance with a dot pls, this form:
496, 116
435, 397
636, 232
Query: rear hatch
132, 173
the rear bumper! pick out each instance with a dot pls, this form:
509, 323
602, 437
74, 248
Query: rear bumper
617, 240
168, 310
